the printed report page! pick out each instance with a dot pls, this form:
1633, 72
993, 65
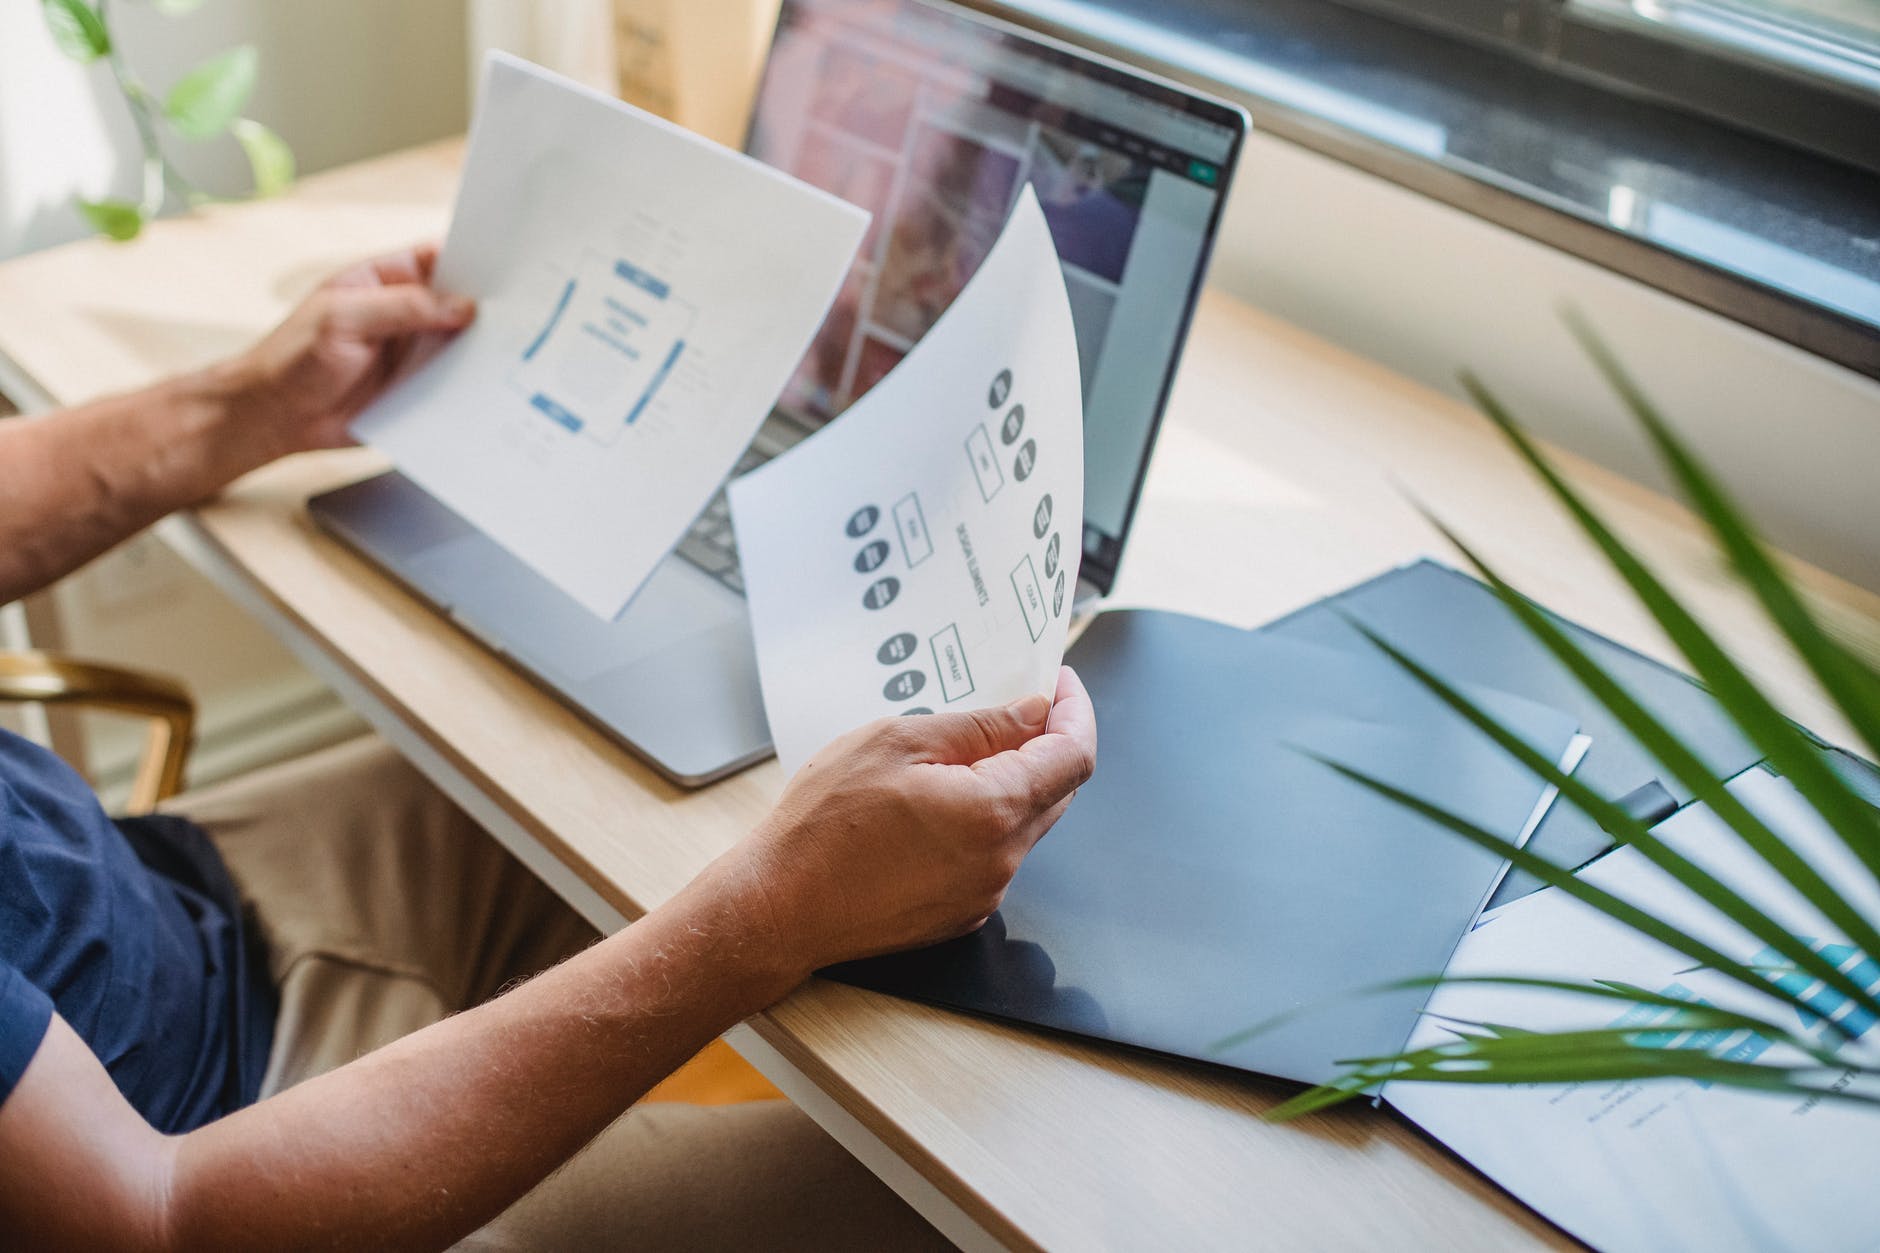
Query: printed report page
643, 295
920, 553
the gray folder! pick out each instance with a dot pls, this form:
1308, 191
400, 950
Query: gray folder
1214, 875
1457, 627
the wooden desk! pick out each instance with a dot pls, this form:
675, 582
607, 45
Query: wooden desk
1275, 482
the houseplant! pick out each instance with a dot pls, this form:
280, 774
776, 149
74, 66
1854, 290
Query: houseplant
1691, 1043
206, 103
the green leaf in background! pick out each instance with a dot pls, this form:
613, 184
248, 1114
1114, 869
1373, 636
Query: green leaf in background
1663, 745
77, 29
1790, 752
210, 97
1486, 1053
176, 8
268, 156
1851, 684
120, 219
1626, 913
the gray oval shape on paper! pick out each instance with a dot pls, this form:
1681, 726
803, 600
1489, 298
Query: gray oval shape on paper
897, 648
871, 556
1000, 389
918, 709
1041, 520
905, 685
1057, 597
1026, 459
862, 521
1051, 557
881, 593
1013, 424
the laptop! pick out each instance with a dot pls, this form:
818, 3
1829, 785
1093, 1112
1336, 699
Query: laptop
932, 117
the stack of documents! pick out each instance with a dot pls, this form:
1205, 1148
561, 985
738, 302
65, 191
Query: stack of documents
1669, 1164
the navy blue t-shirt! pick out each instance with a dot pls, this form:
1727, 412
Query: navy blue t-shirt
133, 933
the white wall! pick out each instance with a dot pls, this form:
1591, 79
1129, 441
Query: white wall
341, 80
1427, 289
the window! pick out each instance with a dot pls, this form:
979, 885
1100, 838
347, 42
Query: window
1805, 72
1725, 152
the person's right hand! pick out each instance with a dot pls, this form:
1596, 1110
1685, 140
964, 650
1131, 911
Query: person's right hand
908, 831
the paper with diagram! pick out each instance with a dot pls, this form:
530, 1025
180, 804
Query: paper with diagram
1671, 1164
643, 295
920, 553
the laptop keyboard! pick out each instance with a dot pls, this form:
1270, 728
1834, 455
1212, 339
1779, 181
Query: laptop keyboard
710, 544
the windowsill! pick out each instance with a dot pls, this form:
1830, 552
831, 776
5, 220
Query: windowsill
1779, 240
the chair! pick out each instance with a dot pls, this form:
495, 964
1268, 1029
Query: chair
49, 679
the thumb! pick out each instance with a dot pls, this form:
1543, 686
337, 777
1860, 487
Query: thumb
965, 738
401, 309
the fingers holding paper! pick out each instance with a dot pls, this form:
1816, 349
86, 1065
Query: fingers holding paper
909, 830
340, 346
1048, 768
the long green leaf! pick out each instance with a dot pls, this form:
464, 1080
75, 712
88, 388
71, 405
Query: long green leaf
207, 100
1618, 909
1324, 1096
1600, 988
77, 29
1847, 680
1622, 1064
1633, 995
1794, 755
1607, 1050
1626, 1063
1623, 826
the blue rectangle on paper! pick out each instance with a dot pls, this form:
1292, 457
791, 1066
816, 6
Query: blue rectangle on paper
642, 280
652, 384
561, 416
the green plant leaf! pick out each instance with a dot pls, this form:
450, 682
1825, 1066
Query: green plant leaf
1684, 765
119, 219
1618, 909
210, 97
268, 156
77, 29
1849, 682
1605, 1055
1793, 754
1606, 989
1622, 825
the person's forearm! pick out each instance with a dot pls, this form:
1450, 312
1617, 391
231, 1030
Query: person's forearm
423, 1141
75, 483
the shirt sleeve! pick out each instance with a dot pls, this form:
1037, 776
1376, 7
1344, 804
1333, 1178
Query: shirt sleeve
25, 1013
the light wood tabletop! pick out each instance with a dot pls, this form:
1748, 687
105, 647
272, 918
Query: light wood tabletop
1285, 471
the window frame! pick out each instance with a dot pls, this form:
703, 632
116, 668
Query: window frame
1393, 99
1762, 95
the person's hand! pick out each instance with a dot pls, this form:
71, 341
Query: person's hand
909, 830
337, 350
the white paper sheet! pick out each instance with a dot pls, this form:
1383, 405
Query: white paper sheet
643, 295
1669, 1164
920, 553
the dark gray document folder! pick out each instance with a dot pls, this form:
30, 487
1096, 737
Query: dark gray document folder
1214, 875
1457, 627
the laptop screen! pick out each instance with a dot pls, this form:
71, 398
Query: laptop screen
933, 119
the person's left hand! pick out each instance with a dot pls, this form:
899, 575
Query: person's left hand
338, 349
